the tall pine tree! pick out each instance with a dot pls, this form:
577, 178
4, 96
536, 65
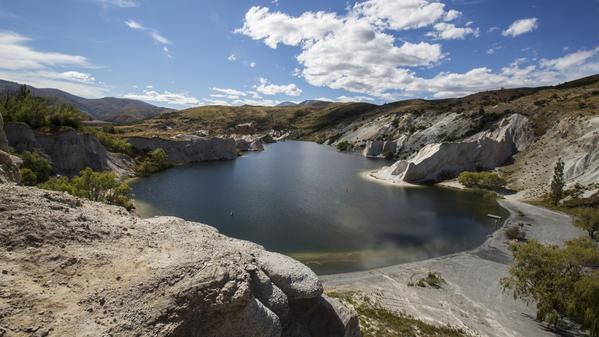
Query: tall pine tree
557, 184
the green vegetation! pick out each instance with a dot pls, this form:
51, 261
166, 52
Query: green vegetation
588, 220
343, 146
388, 154
109, 140
432, 279
38, 112
515, 233
558, 182
487, 180
155, 161
376, 321
35, 169
97, 186
562, 281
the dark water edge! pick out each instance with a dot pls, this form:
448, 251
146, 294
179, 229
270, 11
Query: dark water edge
311, 202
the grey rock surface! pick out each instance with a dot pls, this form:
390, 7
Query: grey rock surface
3, 140
188, 151
295, 279
96, 270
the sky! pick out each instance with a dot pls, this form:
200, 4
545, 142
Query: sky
184, 53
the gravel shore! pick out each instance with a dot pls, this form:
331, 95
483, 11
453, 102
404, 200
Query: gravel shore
472, 298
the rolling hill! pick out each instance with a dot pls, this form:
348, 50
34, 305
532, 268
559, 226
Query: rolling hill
109, 109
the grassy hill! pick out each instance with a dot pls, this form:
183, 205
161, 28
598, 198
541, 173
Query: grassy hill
544, 105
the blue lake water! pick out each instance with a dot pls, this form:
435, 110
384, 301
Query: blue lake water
311, 202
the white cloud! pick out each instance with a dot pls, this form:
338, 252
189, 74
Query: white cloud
571, 60
232, 92
492, 29
520, 27
354, 99
448, 31
21, 63
252, 64
353, 52
273, 89
494, 48
232, 57
120, 3
451, 15
165, 97
153, 33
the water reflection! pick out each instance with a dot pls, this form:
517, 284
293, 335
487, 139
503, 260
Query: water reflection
309, 201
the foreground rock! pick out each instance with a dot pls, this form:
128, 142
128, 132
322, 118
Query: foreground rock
9, 172
483, 151
188, 151
71, 267
68, 150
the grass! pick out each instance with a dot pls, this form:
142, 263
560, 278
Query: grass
376, 321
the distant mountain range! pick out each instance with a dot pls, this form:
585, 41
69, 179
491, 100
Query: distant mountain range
109, 109
310, 102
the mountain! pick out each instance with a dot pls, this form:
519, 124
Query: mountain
287, 103
315, 103
109, 109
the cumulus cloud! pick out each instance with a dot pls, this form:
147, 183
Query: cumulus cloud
520, 27
232, 92
252, 64
165, 97
273, 89
354, 99
232, 57
119, 3
448, 31
21, 63
353, 52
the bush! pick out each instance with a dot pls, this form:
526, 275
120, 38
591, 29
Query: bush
38, 112
36, 168
432, 279
111, 142
515, 233
560, 280
588, 220
343, 146
96, 186
488, 180
388, 154
155, 161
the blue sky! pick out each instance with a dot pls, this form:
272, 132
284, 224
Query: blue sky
187, 53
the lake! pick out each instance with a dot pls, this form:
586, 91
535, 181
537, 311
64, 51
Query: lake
312, 202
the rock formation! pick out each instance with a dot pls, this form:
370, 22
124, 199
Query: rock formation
483, 151
68, 150
9, 172
72, 267
188, 151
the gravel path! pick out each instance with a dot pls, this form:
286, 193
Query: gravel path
472, 298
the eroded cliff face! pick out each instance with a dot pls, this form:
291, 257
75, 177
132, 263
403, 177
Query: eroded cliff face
188, 151
68, 150
8, 169
71, 267
483, 151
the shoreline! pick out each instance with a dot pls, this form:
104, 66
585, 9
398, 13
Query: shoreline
368, 176
472, 298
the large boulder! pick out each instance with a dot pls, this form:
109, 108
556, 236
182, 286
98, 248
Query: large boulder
21, 137
188, 151
483, 151
9, 172
295, 279
96, 270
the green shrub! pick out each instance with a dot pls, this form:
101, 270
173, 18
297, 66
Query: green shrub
587, 219
515, 233
28, 177
111, 142
343, 146
561, 281
487, 180
388, 154
38, 112
36, 167
155, 161
97, 186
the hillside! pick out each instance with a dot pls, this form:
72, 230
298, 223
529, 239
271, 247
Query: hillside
109, 109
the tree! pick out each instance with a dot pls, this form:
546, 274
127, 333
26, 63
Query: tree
588, 220
487, 180
562, 281
558, 182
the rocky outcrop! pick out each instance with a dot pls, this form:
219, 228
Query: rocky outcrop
246, 143
188, 151
9, 172
71, 267
483, 151
379, 148
68, 150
